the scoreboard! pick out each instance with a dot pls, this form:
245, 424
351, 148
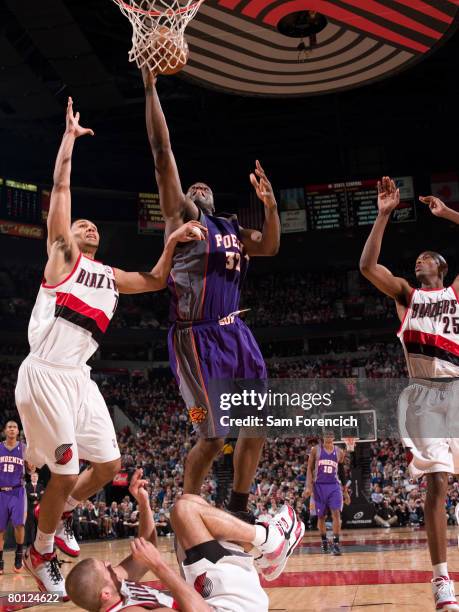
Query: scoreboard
354, 203
20, 209
150, 218
21, 202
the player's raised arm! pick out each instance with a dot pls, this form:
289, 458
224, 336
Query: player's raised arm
393, 286
130, 568
265, 243
156, 279
59, 217
175, 206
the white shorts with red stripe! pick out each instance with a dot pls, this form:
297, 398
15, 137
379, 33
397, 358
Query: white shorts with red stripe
64, 415
428, 414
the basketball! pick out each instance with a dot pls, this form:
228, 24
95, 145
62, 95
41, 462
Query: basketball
171, 52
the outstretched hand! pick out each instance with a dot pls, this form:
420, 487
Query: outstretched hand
262, 186
137, 486
72, 124
192, 230
437, 207
145, 552
388, 195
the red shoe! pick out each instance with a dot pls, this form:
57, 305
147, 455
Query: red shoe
46, 572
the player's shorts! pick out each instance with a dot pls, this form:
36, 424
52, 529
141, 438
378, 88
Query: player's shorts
64, 415
229, 585
206, 351
13, 507
327, 497
428, 418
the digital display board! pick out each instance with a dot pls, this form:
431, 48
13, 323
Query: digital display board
20, 202
150, 218
354, 203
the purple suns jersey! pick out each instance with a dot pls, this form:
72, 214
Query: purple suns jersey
12, 465
326, 469
206, 276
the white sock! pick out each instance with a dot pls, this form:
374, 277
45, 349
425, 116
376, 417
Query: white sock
261, 535
44, 542
70, 504
440, 569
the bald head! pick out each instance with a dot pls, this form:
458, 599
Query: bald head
85, 582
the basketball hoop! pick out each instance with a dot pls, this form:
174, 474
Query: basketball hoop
350, 443
158, 28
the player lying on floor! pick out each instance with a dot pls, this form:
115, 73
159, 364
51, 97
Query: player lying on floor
219, 574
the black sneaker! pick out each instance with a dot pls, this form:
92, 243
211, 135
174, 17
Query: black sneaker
324, 546
247, 517
18, 562
336, 550
2, 567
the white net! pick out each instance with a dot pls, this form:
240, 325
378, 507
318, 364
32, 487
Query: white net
350, 443
158, 32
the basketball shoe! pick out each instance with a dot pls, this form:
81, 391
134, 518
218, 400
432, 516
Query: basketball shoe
18, 561
284, 532
65, 537
46, 572
336, 549
444, 595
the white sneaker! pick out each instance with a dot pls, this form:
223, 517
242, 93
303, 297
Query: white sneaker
285, 532
46, 572
444, 595
65, 538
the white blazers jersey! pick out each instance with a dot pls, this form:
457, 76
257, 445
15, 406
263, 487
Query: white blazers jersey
135, 594
69, 319
430, 333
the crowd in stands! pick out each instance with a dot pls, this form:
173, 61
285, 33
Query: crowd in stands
297, 298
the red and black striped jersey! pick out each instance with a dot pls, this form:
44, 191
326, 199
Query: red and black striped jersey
429, 333
69, 320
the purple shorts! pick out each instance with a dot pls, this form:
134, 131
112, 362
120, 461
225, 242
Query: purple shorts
208, 351
12, 507
327, 497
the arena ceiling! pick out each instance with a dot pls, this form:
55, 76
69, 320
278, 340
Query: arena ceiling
303, 47
406, 122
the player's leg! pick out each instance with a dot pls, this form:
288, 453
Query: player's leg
435, 521
321, 512
18, 518
336, 518
2, 544
198, 463
195, 523
19, 536
335, 504
250, 367
96, 442
246, 458
48, 399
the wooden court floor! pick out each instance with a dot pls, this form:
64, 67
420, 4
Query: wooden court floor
380, 570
